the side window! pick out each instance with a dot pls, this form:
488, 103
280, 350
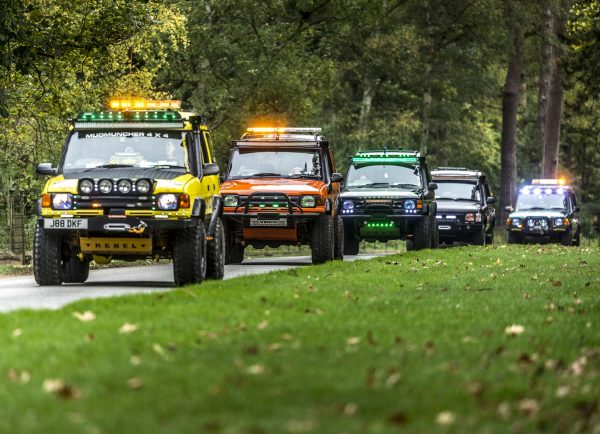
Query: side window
206, 147
190, 154
331, 163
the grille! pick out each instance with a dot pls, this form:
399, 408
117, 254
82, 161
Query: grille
268, 223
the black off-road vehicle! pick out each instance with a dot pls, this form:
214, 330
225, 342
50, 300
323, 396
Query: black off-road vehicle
465, 212
388, 195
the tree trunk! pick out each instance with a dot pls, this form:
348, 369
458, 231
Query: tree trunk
547, 31
510, 107
555, 93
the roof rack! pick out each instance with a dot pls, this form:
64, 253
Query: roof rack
453, 168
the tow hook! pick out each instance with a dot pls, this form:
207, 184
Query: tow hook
139, 229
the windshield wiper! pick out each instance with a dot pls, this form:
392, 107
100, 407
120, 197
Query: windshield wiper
413, 186
110, 166
534, 208
374, 184
458, 198
165, 166
259, 175
303, 175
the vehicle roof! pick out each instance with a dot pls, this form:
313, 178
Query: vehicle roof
145, 119
386, 156
456, 174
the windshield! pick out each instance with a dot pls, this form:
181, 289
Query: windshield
285, 164
383, 176
458, 191
541, 201
92, 149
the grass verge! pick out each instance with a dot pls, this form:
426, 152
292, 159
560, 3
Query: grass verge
495, 340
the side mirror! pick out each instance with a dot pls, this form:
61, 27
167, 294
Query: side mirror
209, 169
46, 169
432, 186
337, 177
508, 208
491, 200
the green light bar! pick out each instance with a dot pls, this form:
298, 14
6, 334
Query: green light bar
380, 225
384, 160
133, 116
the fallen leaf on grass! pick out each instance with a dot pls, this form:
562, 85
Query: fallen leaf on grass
158, 349
503, 410
350, 409
135, 383
256, 369
86, 316
355, 340
514, 330
398, 418
393, 379
16, 333
562, 391
262, 325
128, 328
529, 407
61, 389
556, 283
135, 360
445, 418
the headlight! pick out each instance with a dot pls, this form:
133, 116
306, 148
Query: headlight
558, 222
230, 200
478, 217
62, 201
124, 186
544, 223
516, 222
167, 202
86, 186
143, 186
105, 186
530, 223
308, 202
348, 205
470, 217
409, 204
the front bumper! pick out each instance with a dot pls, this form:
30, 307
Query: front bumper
457, 229
127, 225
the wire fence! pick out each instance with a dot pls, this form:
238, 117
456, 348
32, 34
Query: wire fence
17, 224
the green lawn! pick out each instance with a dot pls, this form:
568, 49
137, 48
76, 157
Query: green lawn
413, 343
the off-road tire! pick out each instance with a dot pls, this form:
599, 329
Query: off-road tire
514, 238
435, 236
422, 235
351, 243
479, 237
577, 242
189, 255
410, 245
76, 271
322, 242
234, 252
489, 238
567, 238
215, 253
338, 229
47, 257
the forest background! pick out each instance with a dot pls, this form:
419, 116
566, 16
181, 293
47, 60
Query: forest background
509, 87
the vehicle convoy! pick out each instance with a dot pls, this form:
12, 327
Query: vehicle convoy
389, 195
546, 211
281, 188
464, 206
134, 181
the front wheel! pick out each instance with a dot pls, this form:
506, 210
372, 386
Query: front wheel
215, 253
567, 238
338, 229
189, 255
322, 242
76, 271
47, 257
479, 237
422, 238
351, 242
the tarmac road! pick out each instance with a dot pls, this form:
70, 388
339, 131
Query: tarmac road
22, 292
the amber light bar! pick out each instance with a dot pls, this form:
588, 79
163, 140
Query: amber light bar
143, 104
282, 130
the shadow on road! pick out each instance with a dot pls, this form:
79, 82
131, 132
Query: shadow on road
275, 263
123, 283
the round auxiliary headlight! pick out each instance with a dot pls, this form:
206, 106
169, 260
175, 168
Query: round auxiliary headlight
558, 222
409, 204
348, 205
105, 186
530, 223
62, 201
543, 223
86, 186
517, 222
167, 202
143, 186
230, 200
308, 201
124, 186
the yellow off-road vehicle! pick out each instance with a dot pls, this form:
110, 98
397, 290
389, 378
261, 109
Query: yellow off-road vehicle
134, 181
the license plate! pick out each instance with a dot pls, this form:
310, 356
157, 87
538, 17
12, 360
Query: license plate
115, 245
277, 223
64, 223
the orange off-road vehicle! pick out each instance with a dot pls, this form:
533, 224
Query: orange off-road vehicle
281, 188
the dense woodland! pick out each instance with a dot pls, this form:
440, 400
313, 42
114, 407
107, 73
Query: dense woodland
506, 86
